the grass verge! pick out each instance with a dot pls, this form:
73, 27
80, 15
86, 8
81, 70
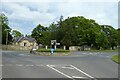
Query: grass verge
48, 50
103, 50
116, 58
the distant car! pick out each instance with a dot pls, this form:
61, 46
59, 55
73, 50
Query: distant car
33, 50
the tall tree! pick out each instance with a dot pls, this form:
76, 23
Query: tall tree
39, 33
111, 34
5, 29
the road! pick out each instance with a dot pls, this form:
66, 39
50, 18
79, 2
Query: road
78, 65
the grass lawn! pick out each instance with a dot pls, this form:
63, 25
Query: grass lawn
116, 58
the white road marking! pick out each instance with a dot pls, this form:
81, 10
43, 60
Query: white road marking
21, 54
79, 77
39, 65
53, 65
8, 65
29, 65
83, 72
19, 65
83, 53
67, 67
24, 54
91, 53
59, 71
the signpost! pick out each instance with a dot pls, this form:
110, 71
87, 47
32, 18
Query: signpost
54, 44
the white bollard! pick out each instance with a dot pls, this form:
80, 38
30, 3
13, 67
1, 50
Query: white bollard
46, 47
64, 47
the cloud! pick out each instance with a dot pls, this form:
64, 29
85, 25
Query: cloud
25, 16
60, 1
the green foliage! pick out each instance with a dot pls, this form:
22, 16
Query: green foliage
112, 35
5, 29
16, 33
118, 36
41, 34
77, 31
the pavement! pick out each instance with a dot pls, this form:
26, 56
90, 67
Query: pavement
78, 65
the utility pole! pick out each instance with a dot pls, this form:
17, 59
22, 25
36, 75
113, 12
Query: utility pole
7, 36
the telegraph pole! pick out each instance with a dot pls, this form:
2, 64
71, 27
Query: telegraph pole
7, 36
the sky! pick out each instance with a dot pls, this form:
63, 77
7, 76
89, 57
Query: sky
25, 15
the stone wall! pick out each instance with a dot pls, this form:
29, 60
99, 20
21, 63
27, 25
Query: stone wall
16, 47
79, 48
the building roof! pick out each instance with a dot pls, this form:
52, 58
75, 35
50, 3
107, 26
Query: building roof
19, 39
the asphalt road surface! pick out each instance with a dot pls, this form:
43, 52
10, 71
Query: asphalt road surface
78, 65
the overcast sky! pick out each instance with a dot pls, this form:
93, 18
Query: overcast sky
24, 15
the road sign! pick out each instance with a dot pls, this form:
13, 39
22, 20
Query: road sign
57, 43
53, 42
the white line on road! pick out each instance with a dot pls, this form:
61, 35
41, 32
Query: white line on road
78, 77
59, 72
19, 65
40, 65
29, 65
22, 54
8, 65
83, 72
67, 67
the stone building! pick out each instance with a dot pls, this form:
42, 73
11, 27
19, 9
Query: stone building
25, 43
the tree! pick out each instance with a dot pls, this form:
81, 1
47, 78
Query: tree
16, 33
29, 36
59, 23
77, 31
102, 41
5, 29
39, 34
111, 34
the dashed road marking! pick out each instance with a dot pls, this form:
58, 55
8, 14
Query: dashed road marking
39, 65
19, 65
8, 65
21, 54
29, 65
